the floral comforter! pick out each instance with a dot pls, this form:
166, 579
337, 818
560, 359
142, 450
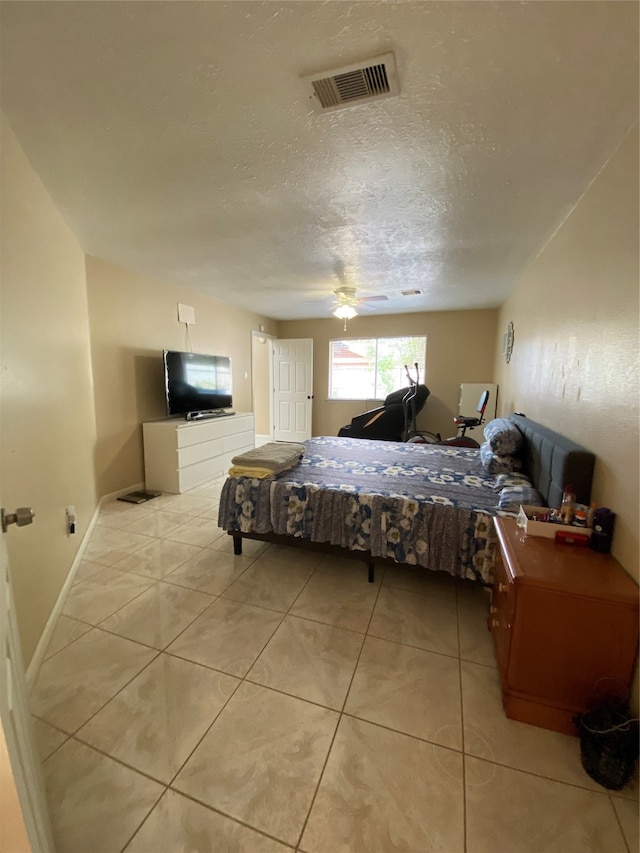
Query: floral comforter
421, 504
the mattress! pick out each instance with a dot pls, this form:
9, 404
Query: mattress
419, 504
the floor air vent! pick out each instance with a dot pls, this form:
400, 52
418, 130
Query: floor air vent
370, 80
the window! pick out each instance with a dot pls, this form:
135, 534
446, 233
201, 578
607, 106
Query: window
371, 368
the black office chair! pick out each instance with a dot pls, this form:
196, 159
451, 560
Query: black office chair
464, 423
387, 422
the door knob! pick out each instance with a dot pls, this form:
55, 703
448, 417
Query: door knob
23, 515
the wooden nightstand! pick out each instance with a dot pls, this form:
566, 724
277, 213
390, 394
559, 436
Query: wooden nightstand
562, 617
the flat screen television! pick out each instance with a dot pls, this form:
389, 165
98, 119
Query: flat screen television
197, 385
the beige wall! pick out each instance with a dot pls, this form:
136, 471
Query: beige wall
68, 321
132, 319
575, 359
47, 420
262, 384
460, 348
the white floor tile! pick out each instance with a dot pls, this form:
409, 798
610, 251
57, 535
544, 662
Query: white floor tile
290, 705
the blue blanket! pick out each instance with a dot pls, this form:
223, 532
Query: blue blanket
419, 504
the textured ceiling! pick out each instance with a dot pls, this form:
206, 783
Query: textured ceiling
178, 140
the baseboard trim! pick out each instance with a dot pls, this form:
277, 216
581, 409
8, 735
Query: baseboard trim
37, 659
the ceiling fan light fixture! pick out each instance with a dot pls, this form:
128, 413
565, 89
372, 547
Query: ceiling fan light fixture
345, 312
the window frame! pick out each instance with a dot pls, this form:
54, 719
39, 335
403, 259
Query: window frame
377, 340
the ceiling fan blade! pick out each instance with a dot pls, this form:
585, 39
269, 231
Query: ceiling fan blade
380, 298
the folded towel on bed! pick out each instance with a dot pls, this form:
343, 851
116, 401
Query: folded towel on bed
258, 473
267, 460
274, 457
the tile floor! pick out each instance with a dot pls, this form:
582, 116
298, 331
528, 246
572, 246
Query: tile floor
191, 700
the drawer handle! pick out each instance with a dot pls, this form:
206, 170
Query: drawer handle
493, 609
495, 623
503, 587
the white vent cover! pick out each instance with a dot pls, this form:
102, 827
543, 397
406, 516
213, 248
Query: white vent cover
369, 80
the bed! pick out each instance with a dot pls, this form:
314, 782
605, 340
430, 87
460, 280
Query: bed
415, 504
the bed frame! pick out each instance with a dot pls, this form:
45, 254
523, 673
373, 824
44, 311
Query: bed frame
553, 462
550, 460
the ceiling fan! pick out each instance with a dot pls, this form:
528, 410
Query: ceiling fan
347, 300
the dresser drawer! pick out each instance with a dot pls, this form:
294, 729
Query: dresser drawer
179, 456
199, 452
196, 433
238, 423
202, 472
237, 443
501, 613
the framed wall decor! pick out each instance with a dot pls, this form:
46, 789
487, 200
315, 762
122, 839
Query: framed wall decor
507, 343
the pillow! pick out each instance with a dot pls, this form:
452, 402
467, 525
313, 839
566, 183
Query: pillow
495, 464
512, 496
512, 479
504, 437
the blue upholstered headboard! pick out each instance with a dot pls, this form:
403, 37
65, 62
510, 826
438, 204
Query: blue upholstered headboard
553, 462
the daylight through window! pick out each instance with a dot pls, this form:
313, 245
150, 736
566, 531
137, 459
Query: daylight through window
371, 368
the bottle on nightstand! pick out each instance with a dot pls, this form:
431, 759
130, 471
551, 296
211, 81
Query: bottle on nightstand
568, 507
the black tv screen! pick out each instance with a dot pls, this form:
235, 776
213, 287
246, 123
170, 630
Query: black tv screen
196, 383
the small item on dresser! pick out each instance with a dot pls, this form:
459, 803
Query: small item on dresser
603, 523
566, 537
568, 507
546, 523
590, 513
580, 519
540, 515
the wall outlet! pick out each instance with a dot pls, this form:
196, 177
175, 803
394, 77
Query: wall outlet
70, 514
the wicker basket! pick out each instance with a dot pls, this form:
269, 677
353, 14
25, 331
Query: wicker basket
608, 744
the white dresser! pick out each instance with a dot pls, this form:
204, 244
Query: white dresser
180, 455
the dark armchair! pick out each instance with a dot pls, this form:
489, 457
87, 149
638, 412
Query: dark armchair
387, 422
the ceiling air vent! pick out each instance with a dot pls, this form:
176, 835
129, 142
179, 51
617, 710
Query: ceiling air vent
370, 80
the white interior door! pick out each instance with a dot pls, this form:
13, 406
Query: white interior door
292, 389
20, 770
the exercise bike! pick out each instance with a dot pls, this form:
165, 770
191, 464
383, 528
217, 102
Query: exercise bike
463, 423
411, 433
